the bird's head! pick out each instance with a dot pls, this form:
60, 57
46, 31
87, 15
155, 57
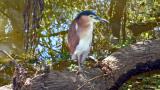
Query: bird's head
91, 16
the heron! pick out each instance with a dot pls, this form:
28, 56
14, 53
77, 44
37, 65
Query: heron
80, 35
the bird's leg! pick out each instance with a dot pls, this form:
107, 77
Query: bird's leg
80, 63
80, 72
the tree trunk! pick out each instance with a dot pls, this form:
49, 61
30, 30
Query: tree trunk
116, 16
124, 26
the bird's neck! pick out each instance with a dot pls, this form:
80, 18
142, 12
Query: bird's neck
86, 30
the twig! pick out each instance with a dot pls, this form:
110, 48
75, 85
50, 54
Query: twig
91, 80
6, 53
5, 14
55, 34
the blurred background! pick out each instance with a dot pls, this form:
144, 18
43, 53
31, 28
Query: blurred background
34, 31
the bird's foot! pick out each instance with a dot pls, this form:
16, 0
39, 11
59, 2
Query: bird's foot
82, 74
79, 71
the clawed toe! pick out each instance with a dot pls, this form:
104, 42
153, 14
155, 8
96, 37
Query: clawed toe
80, 71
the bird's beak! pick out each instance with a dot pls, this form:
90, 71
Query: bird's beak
102, 19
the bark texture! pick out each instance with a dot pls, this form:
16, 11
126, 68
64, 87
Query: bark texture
118, 67
129, 61
137, 58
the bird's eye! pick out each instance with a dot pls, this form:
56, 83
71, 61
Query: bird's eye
91, 16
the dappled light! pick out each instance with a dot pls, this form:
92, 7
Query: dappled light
33, 35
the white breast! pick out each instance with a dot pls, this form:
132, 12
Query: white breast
85, 41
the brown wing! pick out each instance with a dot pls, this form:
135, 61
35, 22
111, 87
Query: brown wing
73, 38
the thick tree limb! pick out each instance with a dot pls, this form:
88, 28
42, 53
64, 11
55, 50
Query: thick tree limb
138, 28
129, 61
118, 67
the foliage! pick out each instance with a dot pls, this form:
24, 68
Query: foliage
48, 38
145, 81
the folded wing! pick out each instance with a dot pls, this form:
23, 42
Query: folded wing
73, 38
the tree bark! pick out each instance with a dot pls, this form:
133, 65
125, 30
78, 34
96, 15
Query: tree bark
116, 16
138, 28
115, 70
118, 67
